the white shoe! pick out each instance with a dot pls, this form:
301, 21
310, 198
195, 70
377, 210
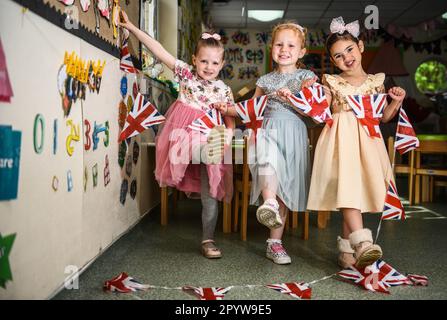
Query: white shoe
277, 253
268, 214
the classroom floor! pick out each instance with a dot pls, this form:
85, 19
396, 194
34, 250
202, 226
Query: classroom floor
170, 257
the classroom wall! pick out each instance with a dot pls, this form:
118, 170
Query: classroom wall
59, 229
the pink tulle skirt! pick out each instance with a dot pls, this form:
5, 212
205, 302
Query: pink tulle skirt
173, 161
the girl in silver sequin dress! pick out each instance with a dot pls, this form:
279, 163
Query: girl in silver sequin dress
279, 164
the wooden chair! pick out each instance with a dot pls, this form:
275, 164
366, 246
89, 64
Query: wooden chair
428, 144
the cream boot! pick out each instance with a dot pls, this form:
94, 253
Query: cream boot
346, 257
366, 253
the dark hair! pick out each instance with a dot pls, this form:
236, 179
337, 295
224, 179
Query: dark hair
210, 42
334, 37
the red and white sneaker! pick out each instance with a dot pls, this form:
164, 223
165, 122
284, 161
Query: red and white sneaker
268, 214
276, 252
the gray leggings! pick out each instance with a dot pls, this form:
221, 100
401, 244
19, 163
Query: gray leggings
209, 206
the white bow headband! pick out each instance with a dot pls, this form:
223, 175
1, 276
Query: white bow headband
338, 26
207, 35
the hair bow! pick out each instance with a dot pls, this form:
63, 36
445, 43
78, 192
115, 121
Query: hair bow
338, 26
207, 35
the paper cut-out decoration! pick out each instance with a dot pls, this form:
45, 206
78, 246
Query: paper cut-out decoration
85, 5
5, 85
10, 145
122, 153
213, 293
130, 103
73, 136
406, 139
126, 63
55, 183
254, 56
54, 136
95, 175
393, 209
135, 90
133, 189
377, 277
297, 290
69, 181
123, 86
106, 138
85, 178
6, 243
115, 18
136, 152
122, 114
207, 122
103, 6
123, 283
129, 165
123, 191
251, 112
67, 2
38, 143
88, 140
312, 101
106, 172
143, 116
369, 110
97, 130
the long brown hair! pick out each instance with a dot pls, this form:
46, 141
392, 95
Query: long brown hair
299, 30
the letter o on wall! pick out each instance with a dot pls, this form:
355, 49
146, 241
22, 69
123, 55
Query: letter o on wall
39, 121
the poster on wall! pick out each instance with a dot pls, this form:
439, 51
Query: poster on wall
10, 142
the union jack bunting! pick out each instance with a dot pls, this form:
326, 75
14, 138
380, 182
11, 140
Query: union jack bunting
406, 139
418, 280
377, 277
252, 112
126, 63
368, 109
393, 209
208, 121
124, 283
213, 293
142, 116
297, 290
312, 101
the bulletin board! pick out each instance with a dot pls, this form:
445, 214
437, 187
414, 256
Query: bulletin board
64, 16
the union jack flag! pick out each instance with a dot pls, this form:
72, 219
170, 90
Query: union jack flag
208, 121
213, 293
252, 112
124, 283
142, 116
126, 63
297, 290
368, 109
312, 101
377, 277
393, 209
406, 139
418, 280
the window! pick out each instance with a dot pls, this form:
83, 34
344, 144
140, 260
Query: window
431, 77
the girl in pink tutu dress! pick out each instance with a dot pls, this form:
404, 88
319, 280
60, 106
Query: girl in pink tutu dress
177, 145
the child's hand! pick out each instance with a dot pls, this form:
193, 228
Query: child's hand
284, 94
397, 94
124, 20
308, 82
222, 107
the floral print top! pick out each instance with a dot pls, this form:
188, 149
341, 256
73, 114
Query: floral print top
199, 93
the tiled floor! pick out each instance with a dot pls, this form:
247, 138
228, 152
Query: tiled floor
170, 256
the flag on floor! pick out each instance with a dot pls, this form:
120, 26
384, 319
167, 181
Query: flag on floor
297, 290
418, 280
368, 109
312, 101
213, 293
393, 209
124, 283
126, 63
5, 84
377, 277
142, 116
406, 139
252, 112
207, 122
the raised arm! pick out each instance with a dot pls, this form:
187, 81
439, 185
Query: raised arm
153, 45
